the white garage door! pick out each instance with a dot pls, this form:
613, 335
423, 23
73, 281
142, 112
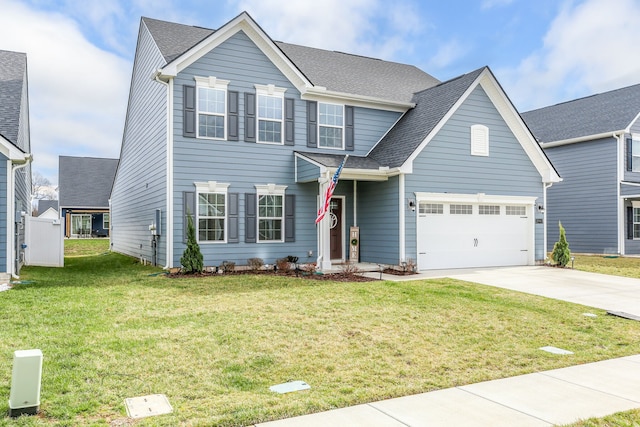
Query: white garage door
459, 234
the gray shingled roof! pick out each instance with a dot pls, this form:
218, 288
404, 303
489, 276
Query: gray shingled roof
12, 73
593, 115
85, 182
334, 160
337, 71
43, 205
431, 106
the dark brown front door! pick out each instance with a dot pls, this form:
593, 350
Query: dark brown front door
335, 218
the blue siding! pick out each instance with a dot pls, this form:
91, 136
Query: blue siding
141, 181
446, 165
629, 176
307, 172
246, 164
629, 190
378, 219
586, 200
4, 168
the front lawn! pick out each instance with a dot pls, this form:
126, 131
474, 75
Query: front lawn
110, 329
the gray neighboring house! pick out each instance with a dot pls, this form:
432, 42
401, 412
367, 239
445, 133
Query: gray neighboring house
594, 142
84, 185
15, 160
49, 206
243, 134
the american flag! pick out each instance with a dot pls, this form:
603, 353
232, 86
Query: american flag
324, 207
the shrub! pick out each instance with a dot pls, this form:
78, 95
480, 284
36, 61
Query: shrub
349, 268
228, 266
283, 264
561, 254
191, 260
255, 263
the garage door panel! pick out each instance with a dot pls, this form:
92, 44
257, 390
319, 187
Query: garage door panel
447, 240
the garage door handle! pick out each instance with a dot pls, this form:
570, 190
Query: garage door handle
475, 243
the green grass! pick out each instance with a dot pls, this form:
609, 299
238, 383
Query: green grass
621, 419
621, 266
110, 328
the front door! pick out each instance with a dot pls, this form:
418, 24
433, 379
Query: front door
335, 232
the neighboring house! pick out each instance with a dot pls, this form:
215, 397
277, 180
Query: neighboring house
84, 187
50, 207
594, 142
243, 134
15, 160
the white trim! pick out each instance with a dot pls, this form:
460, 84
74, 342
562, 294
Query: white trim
270, 190
635, 119
620, 151
321, 94
475, 198
216, 84
10, 219
170, 213
341, 127
211, 187
402, 212
611, 134
12, 152
634, 184
479, 140
342, 229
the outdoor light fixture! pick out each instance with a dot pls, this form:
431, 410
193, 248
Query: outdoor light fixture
572, 259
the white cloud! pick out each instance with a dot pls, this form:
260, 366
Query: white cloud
77, 92
590, 47
446, 55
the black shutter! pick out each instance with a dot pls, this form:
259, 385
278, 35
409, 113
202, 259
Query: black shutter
250, 117
250, 217
232, 115
232, 218
629, 154
289, 218
289, 127
348, 128
189, 210
312, 124
189, 111
630, 222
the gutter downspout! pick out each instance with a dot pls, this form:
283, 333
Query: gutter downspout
169, 216
14, 255
619, 136
544, 217
402, 227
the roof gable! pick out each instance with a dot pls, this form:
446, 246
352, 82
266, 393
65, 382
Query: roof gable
611, 111
434, 106
85, 181
316, 73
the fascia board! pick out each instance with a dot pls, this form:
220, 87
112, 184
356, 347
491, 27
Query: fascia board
475, 198
321, 94
628, 128
611, 134
242, 22
12, 152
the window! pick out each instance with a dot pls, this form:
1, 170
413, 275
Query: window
212, 107
105, 221
270, 213
489, 210
270, 113
479, 140
430, 208
636, 222
211, 211
516, 210
81, 224
635, 155
461, 209
330, 125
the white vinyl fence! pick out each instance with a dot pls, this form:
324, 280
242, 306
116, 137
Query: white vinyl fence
44, 240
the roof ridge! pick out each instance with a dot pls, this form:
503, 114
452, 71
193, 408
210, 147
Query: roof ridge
593, 95
452, 79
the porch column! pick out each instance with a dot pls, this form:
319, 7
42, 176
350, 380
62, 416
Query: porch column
324, 242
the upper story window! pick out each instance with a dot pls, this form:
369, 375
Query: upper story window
212, 212
635, 153
271, 213
330, 125
270, 113
212, 107
479, 140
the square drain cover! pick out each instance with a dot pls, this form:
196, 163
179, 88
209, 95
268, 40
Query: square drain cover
147, 406
289, 387
555, 350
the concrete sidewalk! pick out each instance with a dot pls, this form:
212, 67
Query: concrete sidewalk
555, 397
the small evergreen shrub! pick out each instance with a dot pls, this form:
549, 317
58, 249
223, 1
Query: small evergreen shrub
561, 254
191, 260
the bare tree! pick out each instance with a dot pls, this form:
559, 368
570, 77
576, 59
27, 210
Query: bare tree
41, 187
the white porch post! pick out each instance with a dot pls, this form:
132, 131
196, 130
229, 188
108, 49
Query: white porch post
324, 246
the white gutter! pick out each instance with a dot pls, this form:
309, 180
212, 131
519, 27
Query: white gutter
620, 209
12, 213
402, 230
168, 232
545, 186
581, 139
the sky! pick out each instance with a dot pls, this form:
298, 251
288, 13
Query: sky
80, 52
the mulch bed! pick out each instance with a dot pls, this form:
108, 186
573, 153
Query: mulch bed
336, 277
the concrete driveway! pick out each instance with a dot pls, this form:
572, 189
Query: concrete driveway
591, 289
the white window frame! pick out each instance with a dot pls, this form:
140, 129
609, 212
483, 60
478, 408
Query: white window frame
635, 153
515, 210
426, 208
321, 125
82, 217
270, 190
108, 221
270, 91
635, 208
479, 140
212, 187
215, 84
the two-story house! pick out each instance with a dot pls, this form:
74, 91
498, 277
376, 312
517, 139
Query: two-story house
243, 134
594, 142
15, 160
